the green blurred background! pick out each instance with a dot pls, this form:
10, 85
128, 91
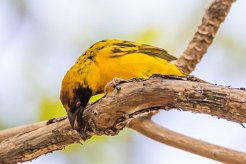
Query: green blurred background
40, 40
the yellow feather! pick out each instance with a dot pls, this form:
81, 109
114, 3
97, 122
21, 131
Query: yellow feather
115, 58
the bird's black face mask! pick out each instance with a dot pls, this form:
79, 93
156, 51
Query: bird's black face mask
81, 98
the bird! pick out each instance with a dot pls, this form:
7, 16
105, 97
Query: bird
109, 60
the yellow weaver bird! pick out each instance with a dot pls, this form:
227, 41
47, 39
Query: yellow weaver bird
104, 61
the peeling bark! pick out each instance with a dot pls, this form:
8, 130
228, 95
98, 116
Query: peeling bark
112, 113
158, 92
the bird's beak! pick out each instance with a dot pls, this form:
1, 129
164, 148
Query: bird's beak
71, 117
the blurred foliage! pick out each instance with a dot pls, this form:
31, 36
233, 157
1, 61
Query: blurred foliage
2, 125
50, 108
227, 42
235, 47
35, 39
148, 35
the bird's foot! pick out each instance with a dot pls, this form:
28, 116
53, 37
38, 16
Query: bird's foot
110, 86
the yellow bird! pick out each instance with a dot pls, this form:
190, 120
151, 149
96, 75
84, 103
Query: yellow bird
104, 61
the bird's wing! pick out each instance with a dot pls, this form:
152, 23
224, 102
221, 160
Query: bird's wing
126, 47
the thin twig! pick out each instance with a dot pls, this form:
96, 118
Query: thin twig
205, 34
174, 139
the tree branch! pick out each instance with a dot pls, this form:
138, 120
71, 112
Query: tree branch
110, 114
4, 134
39, 139
160, 92
171, 138
29, 145
194, 52
204, 36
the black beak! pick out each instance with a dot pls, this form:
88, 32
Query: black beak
78, 114
71, 117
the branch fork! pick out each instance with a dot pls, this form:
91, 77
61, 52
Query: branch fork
144, 98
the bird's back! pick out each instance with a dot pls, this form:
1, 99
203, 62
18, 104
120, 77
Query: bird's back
115, 58
101, 63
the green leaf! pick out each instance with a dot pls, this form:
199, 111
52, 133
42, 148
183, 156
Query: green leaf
148, 36
50, 108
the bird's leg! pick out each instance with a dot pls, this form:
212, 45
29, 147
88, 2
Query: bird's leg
110, 86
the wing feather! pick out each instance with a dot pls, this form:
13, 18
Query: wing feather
125, 47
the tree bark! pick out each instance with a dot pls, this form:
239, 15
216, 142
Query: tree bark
30, 145
31, 141
110, 114
144, 95
4, 134
164, 135
203, 38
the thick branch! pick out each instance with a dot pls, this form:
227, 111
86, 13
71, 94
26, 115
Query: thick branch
168, 137
204, 36
30, 145
194, 52
4, 134
158, 92
112, 113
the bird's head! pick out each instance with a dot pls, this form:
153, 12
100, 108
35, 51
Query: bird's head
74, 96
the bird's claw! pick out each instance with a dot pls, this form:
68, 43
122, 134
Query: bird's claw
110, 86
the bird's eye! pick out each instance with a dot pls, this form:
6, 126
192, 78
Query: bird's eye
78, 103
